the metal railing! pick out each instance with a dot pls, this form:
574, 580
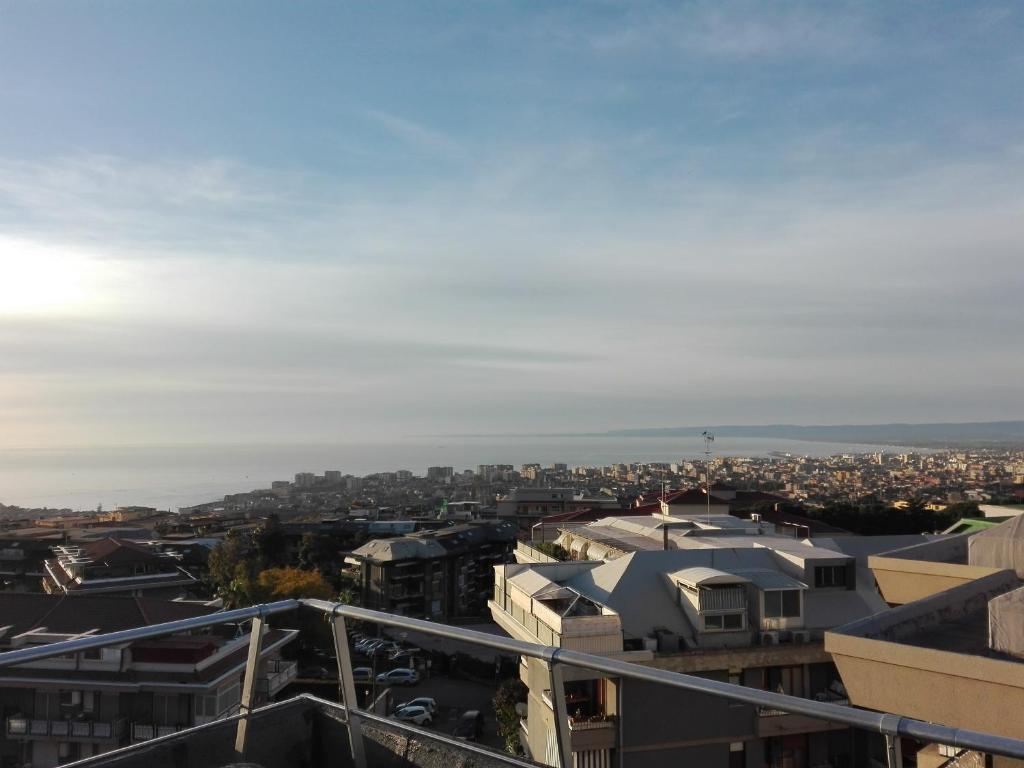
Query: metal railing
890, 725
24, 727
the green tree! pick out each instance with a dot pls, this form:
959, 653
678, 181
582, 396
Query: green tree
224, 560
509, 693
552, 550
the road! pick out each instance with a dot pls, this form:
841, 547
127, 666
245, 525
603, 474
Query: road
453, 697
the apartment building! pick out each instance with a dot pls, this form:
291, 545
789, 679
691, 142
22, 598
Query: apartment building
63, 709
529, 505
951, 650
737, 604
438, 574
21, 562
116, 566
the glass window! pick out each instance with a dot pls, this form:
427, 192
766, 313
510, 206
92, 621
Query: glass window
782, 604
733, 620
723, 622
830, 576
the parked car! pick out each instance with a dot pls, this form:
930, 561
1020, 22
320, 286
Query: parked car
422, 701
404, 654
470, 726
362, 674
417, 715
401, 676
385, 648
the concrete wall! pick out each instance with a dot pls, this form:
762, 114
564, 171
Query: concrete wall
932, 611
656, 716
705, 756
906, 580
959, 689
954, 689
742, 658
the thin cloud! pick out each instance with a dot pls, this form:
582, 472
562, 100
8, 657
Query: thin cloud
418, 136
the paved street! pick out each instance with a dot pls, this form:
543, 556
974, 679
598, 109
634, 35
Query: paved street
453, 698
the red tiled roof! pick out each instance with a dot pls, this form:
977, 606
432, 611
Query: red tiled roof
80, 613
113, 550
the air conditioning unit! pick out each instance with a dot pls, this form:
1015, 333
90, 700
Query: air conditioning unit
769, 638
802, 637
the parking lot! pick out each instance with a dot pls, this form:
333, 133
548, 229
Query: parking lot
453, 695
453, 698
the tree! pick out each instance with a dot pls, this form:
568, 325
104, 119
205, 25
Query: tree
224, 561
295, 583
509, 693
552, 550
269, 542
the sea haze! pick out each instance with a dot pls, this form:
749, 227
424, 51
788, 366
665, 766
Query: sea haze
168, 477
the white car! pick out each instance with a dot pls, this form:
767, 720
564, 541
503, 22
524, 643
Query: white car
362, 674
423, 701
417, 715
400, 676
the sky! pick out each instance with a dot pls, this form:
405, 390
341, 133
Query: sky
326, 221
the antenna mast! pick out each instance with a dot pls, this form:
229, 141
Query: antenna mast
708, 440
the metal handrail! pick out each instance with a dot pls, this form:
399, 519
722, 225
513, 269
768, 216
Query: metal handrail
889, 724
885, 723
39, 652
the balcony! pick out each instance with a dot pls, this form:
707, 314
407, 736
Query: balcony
279, 674
66, 730
773, 722
147, 731
596, 733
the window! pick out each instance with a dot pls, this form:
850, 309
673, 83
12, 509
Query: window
830, 576
723, 622
782, 604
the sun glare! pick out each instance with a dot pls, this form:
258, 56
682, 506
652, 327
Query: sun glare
45, 279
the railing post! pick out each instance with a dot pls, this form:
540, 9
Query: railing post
252, 665
893, 751
563, 736
347, 684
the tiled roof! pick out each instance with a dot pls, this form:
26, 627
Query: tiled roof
24, 611
112, 550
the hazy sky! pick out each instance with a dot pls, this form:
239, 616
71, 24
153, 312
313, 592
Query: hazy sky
318, 221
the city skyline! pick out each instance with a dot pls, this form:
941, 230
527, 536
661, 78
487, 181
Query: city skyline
268, 223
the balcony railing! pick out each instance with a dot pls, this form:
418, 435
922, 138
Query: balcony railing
893, 727
591, 724
147, 731
279, 674
22, 727
828, 696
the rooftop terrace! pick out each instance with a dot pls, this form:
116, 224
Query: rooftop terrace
308, 732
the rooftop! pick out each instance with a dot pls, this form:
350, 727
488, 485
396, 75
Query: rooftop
310, 732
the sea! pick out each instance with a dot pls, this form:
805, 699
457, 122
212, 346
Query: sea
170, 477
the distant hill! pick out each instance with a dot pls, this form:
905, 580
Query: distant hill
975, 433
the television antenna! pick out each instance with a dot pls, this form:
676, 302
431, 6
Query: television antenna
708, 440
